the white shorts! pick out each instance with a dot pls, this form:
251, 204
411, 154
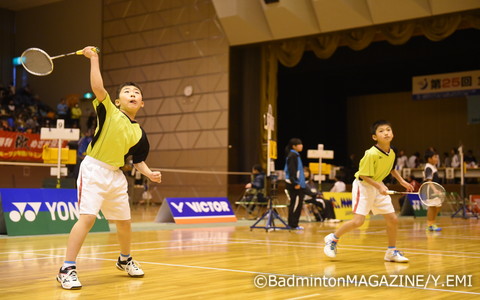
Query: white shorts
366, 198
102, 187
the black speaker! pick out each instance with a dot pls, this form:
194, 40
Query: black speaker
271, 1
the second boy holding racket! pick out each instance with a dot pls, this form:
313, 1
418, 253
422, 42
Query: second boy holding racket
369, 193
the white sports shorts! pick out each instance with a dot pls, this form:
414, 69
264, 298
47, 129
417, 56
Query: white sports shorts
366, 198
102, 187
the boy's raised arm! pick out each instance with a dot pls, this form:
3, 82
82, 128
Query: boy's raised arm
96, 80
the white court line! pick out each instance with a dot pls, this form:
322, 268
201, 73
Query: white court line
261, 242
84, 255
259, 273
321, 244
239, 271
110, 245
264, 273
439, 236
304, 297
252, 241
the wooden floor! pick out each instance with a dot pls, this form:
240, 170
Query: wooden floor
224, 263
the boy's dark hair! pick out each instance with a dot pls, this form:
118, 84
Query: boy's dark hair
429, 154
292, 142
376, 124
258, 168
119, 89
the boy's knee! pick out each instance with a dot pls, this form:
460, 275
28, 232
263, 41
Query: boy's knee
392, 219
358, 221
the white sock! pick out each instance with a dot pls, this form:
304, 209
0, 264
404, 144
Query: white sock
67, 264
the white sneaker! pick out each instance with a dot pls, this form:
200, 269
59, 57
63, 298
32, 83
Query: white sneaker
68, 278
330, 248
393, 255
131, 267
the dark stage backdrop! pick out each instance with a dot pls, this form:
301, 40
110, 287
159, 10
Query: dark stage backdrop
313, 96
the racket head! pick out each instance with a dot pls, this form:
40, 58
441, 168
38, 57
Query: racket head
37, 62
432, 194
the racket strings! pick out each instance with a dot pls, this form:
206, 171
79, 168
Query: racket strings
432, 193
37, 62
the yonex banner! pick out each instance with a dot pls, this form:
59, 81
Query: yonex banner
196, 210
42, 211
446, 85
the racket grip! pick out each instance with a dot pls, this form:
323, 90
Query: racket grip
390, 192
80, 52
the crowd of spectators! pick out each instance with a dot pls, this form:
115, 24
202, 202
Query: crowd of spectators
22, 111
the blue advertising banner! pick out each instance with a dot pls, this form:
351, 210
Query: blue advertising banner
196, 210
419, 210
42, 211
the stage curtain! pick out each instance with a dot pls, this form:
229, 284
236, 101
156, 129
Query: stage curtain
290, 52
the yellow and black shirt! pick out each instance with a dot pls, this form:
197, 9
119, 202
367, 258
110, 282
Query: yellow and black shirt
116, 136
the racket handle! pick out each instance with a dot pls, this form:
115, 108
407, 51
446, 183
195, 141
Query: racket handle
80, 52
391, 192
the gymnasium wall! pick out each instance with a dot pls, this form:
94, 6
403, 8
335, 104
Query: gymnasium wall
167, 46
417, 124
58, 28
6, 45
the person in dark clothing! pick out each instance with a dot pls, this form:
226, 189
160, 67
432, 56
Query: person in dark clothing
295, 180
324, 208
255, 187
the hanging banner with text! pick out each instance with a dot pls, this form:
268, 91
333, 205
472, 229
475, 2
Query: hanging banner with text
42, 211
342, 205
20, 146
446, 85
196, 210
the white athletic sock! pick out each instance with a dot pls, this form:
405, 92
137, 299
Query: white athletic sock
67, 264
124, 257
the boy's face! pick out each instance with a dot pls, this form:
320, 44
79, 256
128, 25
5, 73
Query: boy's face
383, 134
130, 99
434, 159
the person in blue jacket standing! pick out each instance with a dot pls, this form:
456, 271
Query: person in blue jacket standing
295, 180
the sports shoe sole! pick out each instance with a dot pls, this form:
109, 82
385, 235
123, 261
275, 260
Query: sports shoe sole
71, 288
122, 269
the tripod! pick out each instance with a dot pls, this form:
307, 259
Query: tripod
464, 209
271, 214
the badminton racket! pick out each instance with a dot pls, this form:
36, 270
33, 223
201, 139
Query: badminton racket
39, 63
430, 193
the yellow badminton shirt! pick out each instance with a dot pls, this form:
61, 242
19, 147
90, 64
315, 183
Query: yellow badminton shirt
376, 164
116, 136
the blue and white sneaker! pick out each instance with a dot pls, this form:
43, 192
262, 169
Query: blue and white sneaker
131, 267
393, 255
433, 228
330, 248
68, 278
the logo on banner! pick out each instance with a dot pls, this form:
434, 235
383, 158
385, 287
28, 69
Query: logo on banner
58, 211
30, 214
196, 210
42, 211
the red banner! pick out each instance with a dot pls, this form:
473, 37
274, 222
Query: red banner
18, 146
